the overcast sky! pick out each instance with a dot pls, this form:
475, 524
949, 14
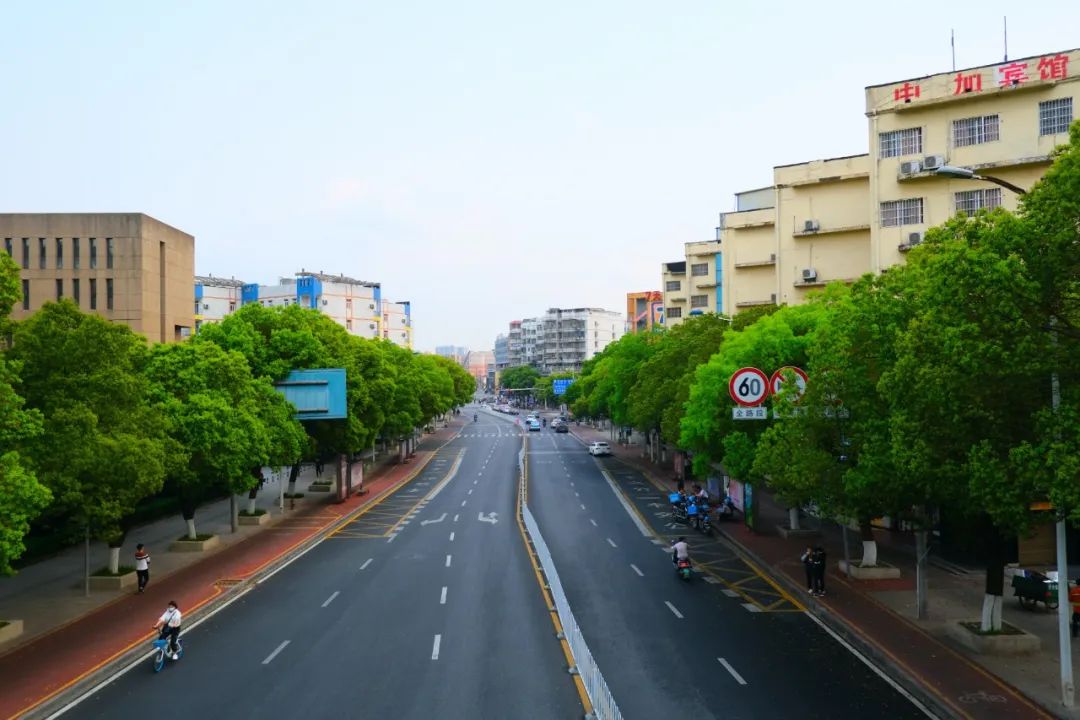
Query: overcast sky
485, 160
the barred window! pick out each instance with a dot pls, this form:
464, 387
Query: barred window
697, 301
673, 285
902, 212
971, 201
674, 312
1055, 116
699, 269
900, 142
976, 130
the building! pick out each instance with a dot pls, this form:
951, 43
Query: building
836, 219
644, 311
673, 280
477, 363
354, 304
502, 352
572, 336
532, 336
215, 298
457, 353
126, 267
515, 356
397, 323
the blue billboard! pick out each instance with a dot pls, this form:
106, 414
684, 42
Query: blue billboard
559, 385
316, 394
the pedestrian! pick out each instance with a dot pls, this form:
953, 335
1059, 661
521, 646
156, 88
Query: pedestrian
142, 566
680, 485
318, 468
808, 565
817, 558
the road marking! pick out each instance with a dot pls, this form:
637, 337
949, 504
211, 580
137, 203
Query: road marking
449, 476
727, 665
582, 507
366, 563
751, 607
463, 503
451, 537
880, 673
576, 494
612, 543
637, 570
331, 598
625, 503
432, 522
475, 482
435, 647
270, 658
470, 491
593, 522
391, 538
729, 592
571, 483
455, 518
447, 561
673, 610
711, 580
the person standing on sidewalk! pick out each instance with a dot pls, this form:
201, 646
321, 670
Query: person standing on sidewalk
817, 560
808, 565
142, 566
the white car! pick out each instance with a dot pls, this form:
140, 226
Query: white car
599, 448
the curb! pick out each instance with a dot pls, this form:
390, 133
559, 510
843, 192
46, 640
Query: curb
227, 592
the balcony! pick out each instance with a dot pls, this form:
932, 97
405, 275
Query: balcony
755, 303
830, 231
757, 263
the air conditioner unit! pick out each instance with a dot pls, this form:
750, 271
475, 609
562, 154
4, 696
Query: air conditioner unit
371, 306
772, 257
910, 167
772, 297
371, 326
914, 238
809, 274
325, 302
933, 162
811, 226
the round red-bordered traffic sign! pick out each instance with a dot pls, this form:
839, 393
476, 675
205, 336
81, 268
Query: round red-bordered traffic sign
777, 379
748, 387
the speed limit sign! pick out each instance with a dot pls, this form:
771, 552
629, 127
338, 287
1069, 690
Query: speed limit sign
777, 380
748, 387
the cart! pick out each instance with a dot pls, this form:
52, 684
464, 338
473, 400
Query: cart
1032, 588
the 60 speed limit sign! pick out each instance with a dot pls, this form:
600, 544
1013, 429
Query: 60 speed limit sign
748, 387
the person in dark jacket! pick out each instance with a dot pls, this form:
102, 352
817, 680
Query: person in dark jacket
817, 561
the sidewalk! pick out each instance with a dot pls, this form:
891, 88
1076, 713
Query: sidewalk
871, 616
54, 661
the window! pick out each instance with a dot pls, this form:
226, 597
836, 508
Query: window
59, 253
697, 301
902, 212
699, 269
75, 291
675, 312
8, 248
900, 142
1055, 116
42, 251
93, 253
108, 294
26, 253
59, 288
93, 294
108, 253
673, 285
25, 294
74, 253
976, 130
971, 201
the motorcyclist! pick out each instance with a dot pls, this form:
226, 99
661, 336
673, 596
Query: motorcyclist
680, 551
543, 421
476, 417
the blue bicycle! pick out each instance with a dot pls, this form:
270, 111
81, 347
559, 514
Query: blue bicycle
161, 652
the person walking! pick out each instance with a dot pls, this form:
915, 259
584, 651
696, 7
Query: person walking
808, 565
142, 566
817, 559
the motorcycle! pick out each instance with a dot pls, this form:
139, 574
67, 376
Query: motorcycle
678, 507
726, 510
704, 524
682, 568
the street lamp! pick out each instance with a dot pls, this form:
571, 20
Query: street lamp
1067, 689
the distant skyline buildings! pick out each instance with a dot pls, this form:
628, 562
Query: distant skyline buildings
560, 340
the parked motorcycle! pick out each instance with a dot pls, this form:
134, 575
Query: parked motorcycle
678, 507
726, 510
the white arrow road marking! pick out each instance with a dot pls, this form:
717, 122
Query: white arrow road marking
435, 647
432, 522
673, 610
331, 598
727, 665
489, 518
270, 658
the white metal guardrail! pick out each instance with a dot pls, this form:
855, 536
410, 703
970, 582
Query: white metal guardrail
604, 707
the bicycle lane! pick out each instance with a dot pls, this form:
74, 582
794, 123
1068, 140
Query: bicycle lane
40, 671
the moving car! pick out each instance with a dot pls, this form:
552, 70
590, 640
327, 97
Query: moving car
562, 428
534, 425
599, 448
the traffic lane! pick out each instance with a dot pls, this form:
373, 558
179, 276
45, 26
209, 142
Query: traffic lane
712, 625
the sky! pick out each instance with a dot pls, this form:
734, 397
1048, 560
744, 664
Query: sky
483, 160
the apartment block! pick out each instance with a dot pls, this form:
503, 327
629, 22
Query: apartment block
573, 336
354, 304
502, 352
397, 323
515, 355
836, 219
126, 267
673, 280
644, 311
215, 298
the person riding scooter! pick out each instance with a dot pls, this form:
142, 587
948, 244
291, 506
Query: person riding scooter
680, 551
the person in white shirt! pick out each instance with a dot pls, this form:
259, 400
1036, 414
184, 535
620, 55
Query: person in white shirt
169, 625
680, 551
142, 566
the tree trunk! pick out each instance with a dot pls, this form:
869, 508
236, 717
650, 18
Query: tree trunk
191, 528
187, 509
234, 510
294, 473
921, 551
114, 560
869, 545
995, 582
793, 518
252, 494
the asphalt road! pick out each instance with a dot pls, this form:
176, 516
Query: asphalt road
383, 620
668, 648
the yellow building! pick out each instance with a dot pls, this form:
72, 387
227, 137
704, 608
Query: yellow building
644, 310
126, 267
836, 219
695, 285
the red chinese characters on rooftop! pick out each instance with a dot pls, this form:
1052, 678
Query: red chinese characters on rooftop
906, 92
967, 82
1054, 68
1013, 74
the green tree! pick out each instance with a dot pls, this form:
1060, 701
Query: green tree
103, 448
521, 376
22, 497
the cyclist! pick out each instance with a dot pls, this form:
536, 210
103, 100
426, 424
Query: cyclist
169, 625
